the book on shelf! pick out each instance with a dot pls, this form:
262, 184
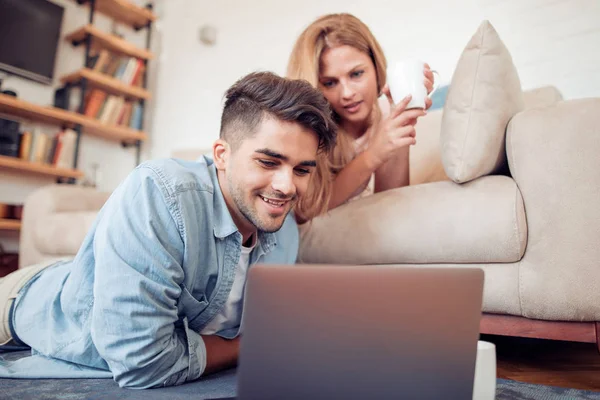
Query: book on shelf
57, 150
124, 68
137, 115
113, 110
25, 145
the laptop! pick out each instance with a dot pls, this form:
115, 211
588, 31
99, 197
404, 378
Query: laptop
359, 332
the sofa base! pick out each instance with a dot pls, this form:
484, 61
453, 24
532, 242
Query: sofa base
510, 325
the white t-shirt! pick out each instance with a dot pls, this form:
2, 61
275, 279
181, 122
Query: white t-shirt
231, 313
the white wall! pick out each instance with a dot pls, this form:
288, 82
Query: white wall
114, 161
552, 42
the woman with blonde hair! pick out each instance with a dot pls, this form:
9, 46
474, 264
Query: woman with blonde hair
339, 55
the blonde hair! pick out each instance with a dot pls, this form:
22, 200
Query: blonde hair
332, 31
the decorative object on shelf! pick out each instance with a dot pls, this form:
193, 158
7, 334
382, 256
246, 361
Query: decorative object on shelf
62, 98
9, 137
95, 179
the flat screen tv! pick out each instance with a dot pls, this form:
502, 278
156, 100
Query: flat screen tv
29, 34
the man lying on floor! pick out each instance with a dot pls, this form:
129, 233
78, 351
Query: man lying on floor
154, 296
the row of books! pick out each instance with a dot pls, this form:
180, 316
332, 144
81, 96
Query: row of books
57, 150
113, 110
129, 70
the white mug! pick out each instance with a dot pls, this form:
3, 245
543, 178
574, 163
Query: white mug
484, 385
406, 77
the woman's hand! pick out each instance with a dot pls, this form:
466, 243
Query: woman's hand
397, 130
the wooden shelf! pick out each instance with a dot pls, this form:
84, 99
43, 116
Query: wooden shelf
107, 83
37, 168
56, 116
10, 224
124, 11
107, 41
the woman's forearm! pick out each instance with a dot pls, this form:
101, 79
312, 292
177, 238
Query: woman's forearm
395, 172
351, 178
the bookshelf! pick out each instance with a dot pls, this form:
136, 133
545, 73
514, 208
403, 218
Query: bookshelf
9, 224
126, 85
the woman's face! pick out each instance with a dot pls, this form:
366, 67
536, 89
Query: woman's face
348, 80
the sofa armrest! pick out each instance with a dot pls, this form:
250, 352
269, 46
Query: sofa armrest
554, 156
441, 222
55, 221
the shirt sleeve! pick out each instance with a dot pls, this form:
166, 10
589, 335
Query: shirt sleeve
138, 250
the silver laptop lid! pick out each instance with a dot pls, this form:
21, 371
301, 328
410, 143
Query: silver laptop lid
359, 332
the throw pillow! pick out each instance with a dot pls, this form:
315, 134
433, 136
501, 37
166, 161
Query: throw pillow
485, 93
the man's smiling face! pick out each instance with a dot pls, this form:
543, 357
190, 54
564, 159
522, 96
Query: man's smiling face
267, 173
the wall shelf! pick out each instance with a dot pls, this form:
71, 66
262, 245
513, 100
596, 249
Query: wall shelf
56, 116
9, 224
18, 164
107, 41
106, 83
123, 11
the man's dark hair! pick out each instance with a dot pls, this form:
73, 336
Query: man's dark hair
261, 94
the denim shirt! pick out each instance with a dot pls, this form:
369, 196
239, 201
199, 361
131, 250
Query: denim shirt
157, 265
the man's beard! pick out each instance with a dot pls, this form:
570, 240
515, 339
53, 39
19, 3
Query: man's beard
249, 212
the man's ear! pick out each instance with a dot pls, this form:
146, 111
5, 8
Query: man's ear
221, 153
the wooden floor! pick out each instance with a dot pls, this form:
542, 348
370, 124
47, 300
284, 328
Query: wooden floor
547, 362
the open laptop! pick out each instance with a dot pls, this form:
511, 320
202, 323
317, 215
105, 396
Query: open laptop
359, 332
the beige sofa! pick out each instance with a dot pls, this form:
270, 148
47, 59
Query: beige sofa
535, 234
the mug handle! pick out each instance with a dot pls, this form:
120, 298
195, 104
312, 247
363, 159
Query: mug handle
436, 82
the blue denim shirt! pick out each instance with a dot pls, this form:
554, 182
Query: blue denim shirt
157, 265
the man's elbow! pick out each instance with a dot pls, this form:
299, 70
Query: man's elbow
143, 379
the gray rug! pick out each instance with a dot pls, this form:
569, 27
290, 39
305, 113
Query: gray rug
218, 385
509, 390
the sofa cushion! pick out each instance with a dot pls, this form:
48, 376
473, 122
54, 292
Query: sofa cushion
485, 93
482, 221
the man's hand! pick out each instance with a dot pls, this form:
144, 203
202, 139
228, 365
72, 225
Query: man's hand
220, 353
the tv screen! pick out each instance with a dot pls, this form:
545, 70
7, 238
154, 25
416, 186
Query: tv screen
29, 34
